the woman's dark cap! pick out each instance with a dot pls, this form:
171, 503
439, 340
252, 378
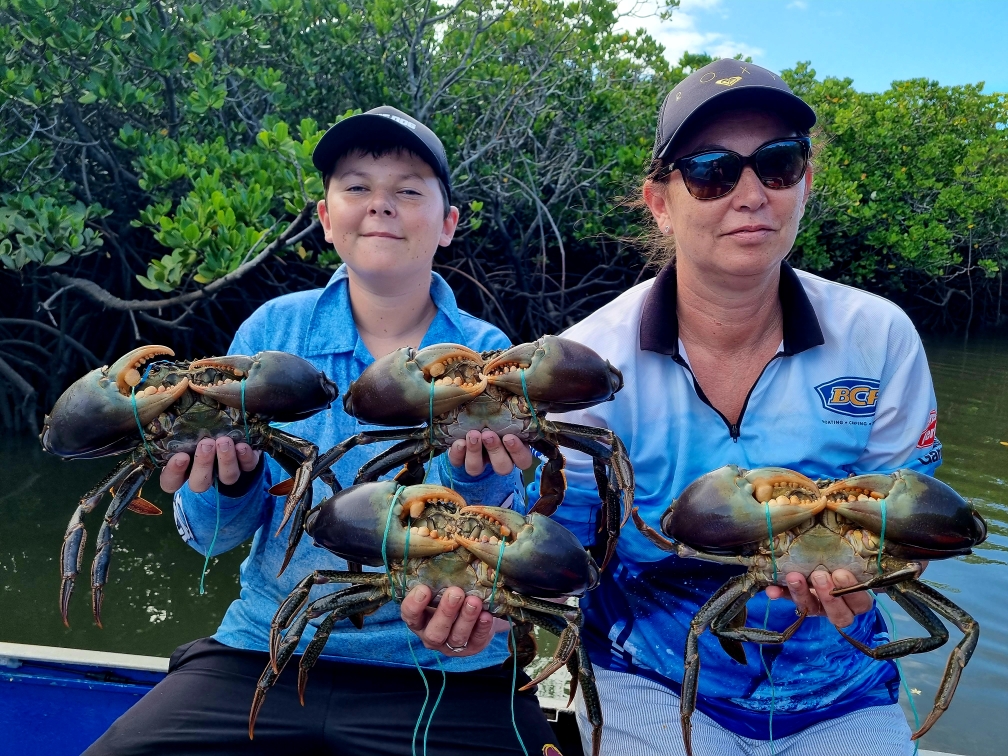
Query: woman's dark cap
383, 123
725, 84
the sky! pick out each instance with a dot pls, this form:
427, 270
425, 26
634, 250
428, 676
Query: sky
874, 42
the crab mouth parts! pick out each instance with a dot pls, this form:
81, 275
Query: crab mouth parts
129, 376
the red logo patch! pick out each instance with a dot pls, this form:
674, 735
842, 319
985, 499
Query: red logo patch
927, 438
551, 750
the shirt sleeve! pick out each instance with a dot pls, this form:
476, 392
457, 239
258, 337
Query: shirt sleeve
224, 516
904, 432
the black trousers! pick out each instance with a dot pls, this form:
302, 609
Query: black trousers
202, 707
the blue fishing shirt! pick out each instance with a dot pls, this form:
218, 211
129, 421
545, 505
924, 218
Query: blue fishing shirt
849, 391
318, 325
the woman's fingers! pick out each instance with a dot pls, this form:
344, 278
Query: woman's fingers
173, 475
456, 453
201, 476
500, 460
860, 602
460, 635
227, 461
519, 452
835, 608
458, 620
248, 457
804, 599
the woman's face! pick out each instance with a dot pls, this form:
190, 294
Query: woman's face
750, 230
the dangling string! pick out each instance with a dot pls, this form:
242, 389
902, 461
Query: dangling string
409, 642
216, 529
535, 417
766, 619
514, 675
881, 543
430, 428
899, 667
136, 416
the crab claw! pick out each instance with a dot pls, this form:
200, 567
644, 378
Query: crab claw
920, 510
354, 523
540, 557
559, 374
728, 507
397, 388
281, 385
95, 416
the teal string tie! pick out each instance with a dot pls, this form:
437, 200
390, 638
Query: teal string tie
384, 548
244, 414
535, 417
899, 667
514, 677
136, 416
213, 541
766, 619
493, 589
881, 543
430, 430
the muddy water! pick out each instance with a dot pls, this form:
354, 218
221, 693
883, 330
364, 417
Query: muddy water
153, 602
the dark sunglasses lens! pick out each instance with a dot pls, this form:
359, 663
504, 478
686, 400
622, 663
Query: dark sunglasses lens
712, 174
781, 164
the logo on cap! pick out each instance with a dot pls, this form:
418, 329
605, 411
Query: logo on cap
397, 119
729, 81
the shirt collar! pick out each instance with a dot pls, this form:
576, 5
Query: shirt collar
659, 326
332, 329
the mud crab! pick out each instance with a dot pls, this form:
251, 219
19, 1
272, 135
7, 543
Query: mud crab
446, 390
426, 534
177, 404
774, 521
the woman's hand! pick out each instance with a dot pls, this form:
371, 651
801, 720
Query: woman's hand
457, 627
816, 600
232, 460
504, 455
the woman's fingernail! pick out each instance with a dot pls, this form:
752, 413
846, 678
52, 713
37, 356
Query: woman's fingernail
794, 583
454, 599
418, 593
819, 579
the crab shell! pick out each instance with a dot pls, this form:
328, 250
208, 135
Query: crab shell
94, 416
727, 508
921, 512
540, 557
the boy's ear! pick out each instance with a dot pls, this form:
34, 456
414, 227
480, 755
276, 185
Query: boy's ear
448, 227
323, 213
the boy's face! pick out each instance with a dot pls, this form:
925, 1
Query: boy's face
385, 216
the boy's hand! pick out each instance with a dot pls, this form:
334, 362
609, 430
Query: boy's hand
816, 601
232, 460
457, 627
504, 455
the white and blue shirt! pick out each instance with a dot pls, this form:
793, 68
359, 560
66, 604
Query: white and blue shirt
849, 391
318, 325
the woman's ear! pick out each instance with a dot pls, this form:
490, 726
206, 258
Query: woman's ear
808, 188
656, 198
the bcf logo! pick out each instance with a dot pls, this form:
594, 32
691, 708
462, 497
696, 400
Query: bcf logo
850, 395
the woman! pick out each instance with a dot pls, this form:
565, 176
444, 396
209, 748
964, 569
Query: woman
730, 356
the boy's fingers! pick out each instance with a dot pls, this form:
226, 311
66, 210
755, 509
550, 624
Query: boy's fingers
474, 463
500, 460
835, 607
227, 461
248, 457
173, 474
456, 453
859, 602
201, 476
520, 454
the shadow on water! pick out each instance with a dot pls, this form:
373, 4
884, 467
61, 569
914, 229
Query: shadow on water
152, 602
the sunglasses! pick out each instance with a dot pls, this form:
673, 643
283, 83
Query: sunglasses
712, 174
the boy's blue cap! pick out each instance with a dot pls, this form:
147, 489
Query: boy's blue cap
383, 123
724, 84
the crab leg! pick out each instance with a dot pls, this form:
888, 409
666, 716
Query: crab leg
552, 481
307, 451
960, 655
415, 448
886, 579
331, 457
103, 551
938, 635
348, 601
72, 553
723, 628
724, 598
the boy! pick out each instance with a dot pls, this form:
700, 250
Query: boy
386, 210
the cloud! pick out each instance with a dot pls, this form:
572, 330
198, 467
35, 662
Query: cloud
686, 29
798, 5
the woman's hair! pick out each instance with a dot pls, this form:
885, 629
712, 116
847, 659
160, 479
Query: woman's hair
657, 248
